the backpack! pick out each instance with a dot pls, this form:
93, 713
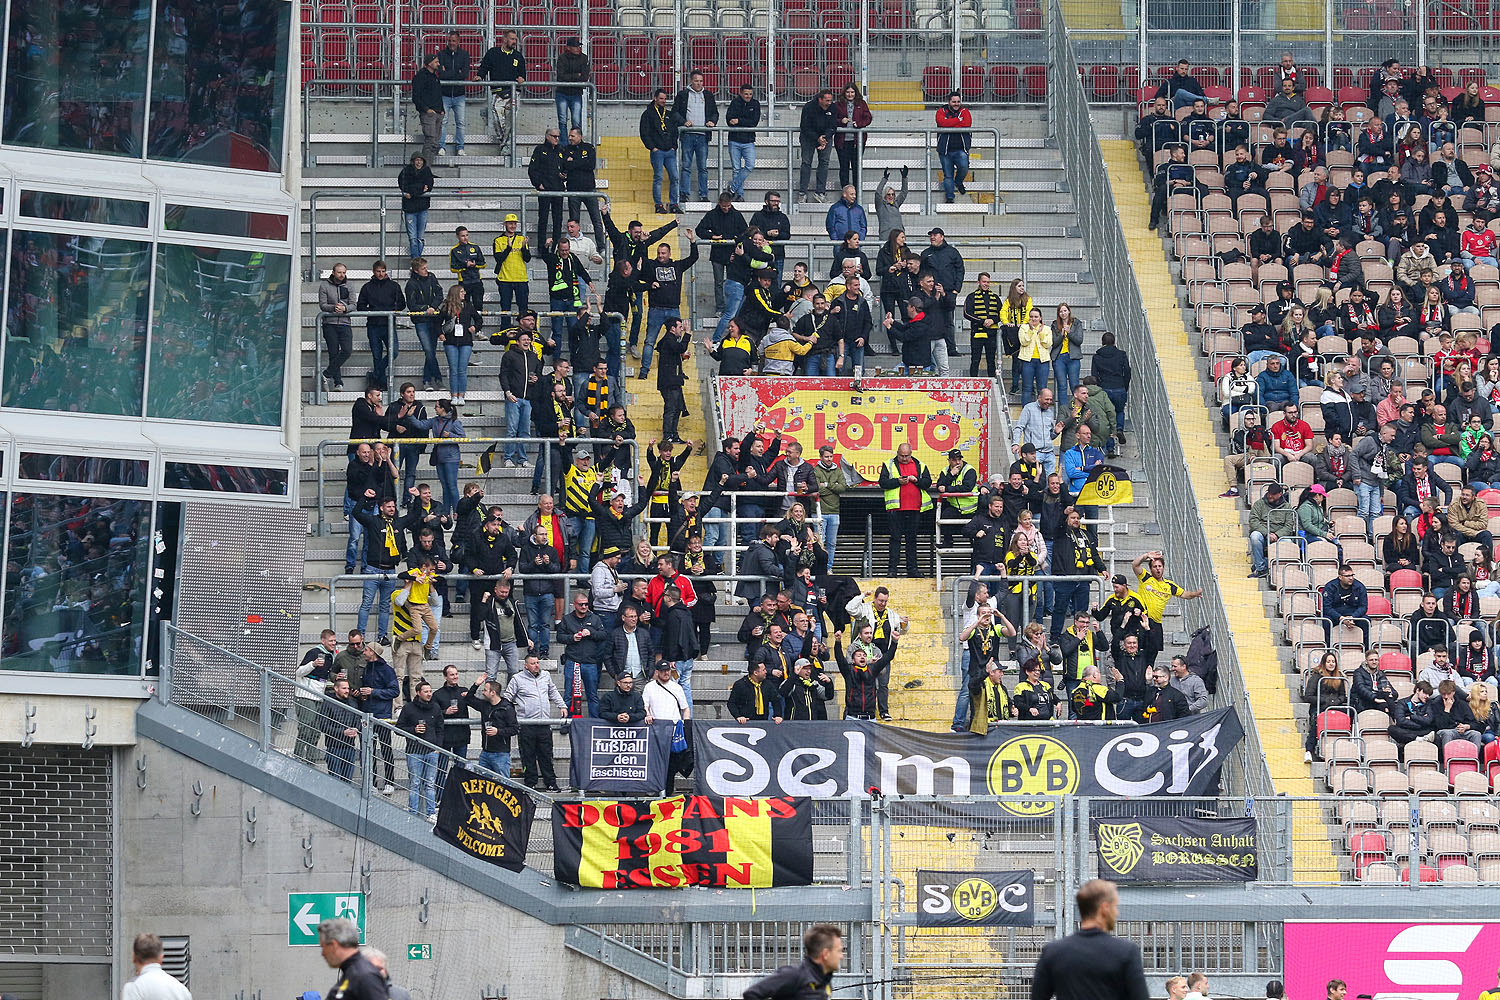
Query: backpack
1203, 660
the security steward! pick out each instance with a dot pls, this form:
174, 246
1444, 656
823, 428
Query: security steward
823, 951
907, 485
956, 488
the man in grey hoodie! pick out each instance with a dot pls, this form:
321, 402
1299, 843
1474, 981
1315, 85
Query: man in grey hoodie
888, 205
533, 693
335, 301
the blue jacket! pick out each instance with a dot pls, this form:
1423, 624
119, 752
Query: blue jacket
1078, 462
1276, 390
1354, 604
445, 427
380, 678
846, 218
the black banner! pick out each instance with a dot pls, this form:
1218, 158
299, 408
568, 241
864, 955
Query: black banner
484, 817
975, 899
684, 841
1170, 849
1020, 763
619, 760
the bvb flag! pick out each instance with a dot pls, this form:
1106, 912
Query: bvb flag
704, 840
1106, 485
487, 818
486, 460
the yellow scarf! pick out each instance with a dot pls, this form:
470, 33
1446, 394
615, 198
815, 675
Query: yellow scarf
390, 539
760, 698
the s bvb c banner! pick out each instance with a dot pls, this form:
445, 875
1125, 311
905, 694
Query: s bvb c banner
1176, 849
975, 899
865, 425
688, 840
485, 817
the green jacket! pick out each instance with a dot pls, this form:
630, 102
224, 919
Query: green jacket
1268, 520
1105, 409
1314, 520
831, 486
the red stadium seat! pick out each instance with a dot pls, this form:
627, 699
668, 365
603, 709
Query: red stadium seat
736, 77
1406, 579
971, 81
1029, 20
1335, 720
937, 82
1352, 95
607, 79
637, 82
737, 51
1005, 83
806, 82
1252, 95
1034, 80
838, 50
1319, 96
1379, 607
1472, 74
1104, 82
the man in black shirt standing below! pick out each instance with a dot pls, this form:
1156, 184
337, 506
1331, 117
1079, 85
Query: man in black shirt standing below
1091, 964
823, 953
427, 97
338, 939
815, 134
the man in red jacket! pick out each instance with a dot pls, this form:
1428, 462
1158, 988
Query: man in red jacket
953, 147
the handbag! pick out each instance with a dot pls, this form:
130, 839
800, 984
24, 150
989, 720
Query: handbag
1010, 338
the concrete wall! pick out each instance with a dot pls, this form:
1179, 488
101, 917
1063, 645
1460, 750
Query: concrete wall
200, 876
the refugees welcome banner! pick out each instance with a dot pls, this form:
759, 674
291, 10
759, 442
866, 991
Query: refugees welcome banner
731, 843
1028, 766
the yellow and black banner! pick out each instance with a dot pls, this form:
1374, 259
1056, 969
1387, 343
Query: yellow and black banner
730, 843
1106, 486
972, 899
485, 817
1176, 849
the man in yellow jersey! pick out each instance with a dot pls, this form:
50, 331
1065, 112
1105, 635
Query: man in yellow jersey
1154, 590
512, 253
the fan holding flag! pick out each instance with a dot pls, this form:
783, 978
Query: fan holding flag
1079, 465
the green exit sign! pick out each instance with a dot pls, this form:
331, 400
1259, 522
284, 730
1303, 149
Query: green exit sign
418, 952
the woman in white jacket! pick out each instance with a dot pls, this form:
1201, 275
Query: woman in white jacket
1035, 355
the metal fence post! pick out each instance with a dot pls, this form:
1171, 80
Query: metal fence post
677, 52
164, 663
958, 45
771, 88
864, 47
854, 849
1421, 34
265, 712
366, 756
1235, 53
1141, 28
1328, 41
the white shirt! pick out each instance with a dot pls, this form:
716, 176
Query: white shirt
585, 248
664, 702
153, 983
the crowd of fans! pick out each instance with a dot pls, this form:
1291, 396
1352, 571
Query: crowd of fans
1360, 406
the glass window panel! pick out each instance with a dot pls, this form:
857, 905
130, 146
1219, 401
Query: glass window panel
218, 344
83, 208
218, 89
76, 75
225, 478
76, 310
84, 469
75, 584
226, 222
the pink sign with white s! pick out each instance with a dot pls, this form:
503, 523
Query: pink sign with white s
1392, 961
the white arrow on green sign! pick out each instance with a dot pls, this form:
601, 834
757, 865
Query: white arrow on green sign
306, 910
418, 952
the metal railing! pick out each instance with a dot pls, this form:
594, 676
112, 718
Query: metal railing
999, 585
545, 444
1104, 524
1183, 533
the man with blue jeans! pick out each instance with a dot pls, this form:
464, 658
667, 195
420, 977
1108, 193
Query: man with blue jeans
519, 370
664, 277
497, 724
828, 474
852, 323
743, 113
385, 550
1373, 463
584, 638
1271, 519
539, 557
953, 147
360, 482
1182, 89
694, 107
750, 256
572, 68
453, 64
679, 638
659, 128
422, 721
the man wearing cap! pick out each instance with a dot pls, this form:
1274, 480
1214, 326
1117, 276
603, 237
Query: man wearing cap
1126, 614
956, 487
427, 98
606, 588
572, 68
1271, 518
512, 253
666, 702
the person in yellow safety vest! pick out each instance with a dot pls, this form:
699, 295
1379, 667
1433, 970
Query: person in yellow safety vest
579, 479
512, 254
907, 485
989, 703
956, 488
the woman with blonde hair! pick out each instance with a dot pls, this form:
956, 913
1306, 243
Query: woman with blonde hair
1035, 355
1486, 712
458, 322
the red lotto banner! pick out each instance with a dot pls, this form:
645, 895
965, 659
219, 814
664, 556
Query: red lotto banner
865, 425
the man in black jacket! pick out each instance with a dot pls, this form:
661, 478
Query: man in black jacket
546, 172
1131, 672
673, 350
622, 704
1091, 964
505, 629
659, 127
381, 294
743, 113
632, 245
424, 296
679, 638
1371, 688
456, 734
1413, 718
427, 98
1165, 702
580, 163
777, 228
946, 264
722, 226
630, 649
453, 66
815, 134
503, 63
805, 694
415, 183
497, 723
754, 698
340, 725
385, 550
665, 295
1111, 367
823, 950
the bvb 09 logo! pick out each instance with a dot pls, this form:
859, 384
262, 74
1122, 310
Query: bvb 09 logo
974, 898
1026, 769
1105, 485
